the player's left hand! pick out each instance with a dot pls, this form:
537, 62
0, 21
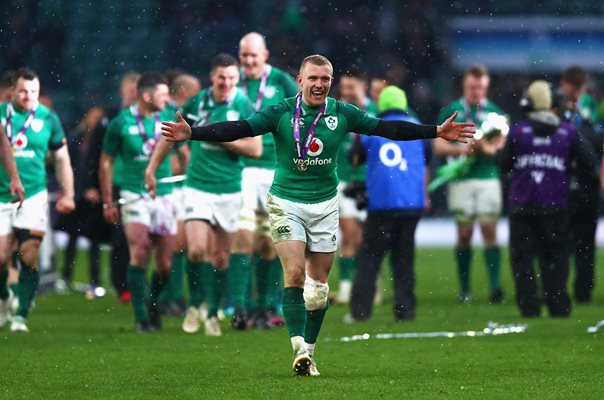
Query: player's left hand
176, 131
16, 189
65, 205
455, 131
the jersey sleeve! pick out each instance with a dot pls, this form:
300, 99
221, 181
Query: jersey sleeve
266, 120
112, 142
57, 134
358, 120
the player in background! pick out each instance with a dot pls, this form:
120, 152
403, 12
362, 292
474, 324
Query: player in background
265, 85
477, 194
212, 197
120, 256
149, 224
353, 90
32, 129
302, 203
172, 299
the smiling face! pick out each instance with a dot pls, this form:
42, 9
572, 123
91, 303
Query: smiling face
224, 80
26, 93
315, 82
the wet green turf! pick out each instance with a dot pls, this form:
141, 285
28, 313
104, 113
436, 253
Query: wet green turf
87, 349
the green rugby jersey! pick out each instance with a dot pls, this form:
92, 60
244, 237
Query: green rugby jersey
212, 167
44, 132
279, 86
346, 172
319, 181
124, 140
484, 167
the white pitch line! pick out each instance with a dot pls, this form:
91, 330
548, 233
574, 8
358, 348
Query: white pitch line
492, 329
597, 327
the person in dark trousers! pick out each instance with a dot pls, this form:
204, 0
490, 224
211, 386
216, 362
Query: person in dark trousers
87, 220
120, 255
584, 191
538, 155
396, 190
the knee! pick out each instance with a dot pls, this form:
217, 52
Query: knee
196, 252
315, 294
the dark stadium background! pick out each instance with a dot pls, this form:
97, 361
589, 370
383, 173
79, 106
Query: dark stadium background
80, 48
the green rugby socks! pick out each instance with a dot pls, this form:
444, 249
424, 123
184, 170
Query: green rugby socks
463, 257
239, 278
493, 260
29, 277
136, 285
314, 321
347, 268
294, 310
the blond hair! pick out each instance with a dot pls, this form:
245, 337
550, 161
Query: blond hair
315, 59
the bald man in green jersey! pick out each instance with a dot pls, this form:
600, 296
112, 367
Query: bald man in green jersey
212, 197
265, 85
302, 204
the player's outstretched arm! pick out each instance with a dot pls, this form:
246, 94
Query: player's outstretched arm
403, 130
227, 131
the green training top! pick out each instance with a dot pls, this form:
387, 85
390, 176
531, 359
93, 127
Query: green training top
318, 180
346, 172
124, 139
279, 86
212, 167
484, 167
44, 132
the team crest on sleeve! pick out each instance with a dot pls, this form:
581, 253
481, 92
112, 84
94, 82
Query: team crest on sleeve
331, 122
232, 115
133, 130
37, 125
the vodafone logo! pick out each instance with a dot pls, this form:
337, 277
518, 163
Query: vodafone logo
316, 147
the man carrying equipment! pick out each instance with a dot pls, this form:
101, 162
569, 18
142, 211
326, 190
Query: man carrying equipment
265, 85
148, 223
212, 196
32, 129
476, 194
302, 202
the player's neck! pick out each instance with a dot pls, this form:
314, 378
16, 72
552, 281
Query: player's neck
20, 108
145, 109
256, 74
222, 97
474, 102
308, 104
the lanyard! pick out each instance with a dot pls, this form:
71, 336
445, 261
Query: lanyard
207, 98
468, 110
261, 89
148, 145
9, 128
302, 152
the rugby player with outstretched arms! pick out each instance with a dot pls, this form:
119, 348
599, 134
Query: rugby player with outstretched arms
32, 130
302, 203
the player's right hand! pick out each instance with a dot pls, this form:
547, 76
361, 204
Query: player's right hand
16, 189
176, 131
111, 214
150, 182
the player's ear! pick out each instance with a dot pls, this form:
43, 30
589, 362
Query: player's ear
299, 81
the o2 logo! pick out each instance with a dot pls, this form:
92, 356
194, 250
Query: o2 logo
392, 156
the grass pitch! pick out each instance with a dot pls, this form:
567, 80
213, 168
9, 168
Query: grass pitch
87, 349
